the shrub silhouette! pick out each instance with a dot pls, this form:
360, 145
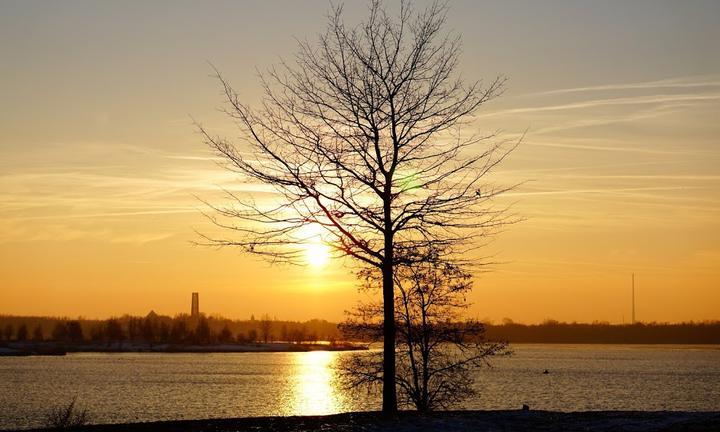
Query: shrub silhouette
67, 416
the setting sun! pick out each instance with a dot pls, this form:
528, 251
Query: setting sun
316, 254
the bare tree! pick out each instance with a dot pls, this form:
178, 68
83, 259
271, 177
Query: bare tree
8, 331
149, 330
74, 331
225, 335
266, 326
38, 333
22, 333
114, 331
202, 335
438, 350
360, 137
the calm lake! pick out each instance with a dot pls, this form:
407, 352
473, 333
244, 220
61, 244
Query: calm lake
128, 387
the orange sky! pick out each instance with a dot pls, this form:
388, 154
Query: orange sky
100, 164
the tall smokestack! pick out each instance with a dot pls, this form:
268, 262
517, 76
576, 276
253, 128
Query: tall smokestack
195, 308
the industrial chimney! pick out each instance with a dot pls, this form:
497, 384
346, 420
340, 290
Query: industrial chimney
195, 307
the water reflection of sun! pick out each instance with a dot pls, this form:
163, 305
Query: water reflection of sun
314, 392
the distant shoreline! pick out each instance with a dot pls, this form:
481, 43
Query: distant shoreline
20, 349
183, 330
15, 349
542, 421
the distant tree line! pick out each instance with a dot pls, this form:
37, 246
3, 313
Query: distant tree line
552, 331
158, 329
183, 329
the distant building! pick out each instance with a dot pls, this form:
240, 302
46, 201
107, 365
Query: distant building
195, 307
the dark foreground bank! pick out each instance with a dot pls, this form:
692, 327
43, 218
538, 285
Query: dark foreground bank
636, 421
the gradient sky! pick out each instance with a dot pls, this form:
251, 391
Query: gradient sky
100, 164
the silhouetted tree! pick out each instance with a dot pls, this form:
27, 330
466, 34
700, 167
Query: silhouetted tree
148, 330
60, 333
164, 332
202, 331
265, 328
22, 333
74, 331
252, 335
114, 331
179, 331
299, 335
97, 333
134, 328
284, 334
9, 331
437, 350
38, 333
359, 138
225, 334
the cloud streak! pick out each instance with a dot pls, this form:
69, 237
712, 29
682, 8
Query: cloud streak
678, 83
624, 149
636, 100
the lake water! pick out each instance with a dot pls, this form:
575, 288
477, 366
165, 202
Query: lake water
128, 387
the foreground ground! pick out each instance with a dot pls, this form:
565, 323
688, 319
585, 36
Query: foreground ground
445, 421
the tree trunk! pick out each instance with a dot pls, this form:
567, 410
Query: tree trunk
389, 392
389, 403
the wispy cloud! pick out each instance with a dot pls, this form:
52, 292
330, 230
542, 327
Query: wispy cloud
620, 148
690, 177
123, 188
636, 100
641, 114
141, 238
678, 83
595, 191
113, 214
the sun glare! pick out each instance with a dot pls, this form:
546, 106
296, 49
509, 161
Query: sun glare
317, 253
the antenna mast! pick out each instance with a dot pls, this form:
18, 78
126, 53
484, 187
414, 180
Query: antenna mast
633, 298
